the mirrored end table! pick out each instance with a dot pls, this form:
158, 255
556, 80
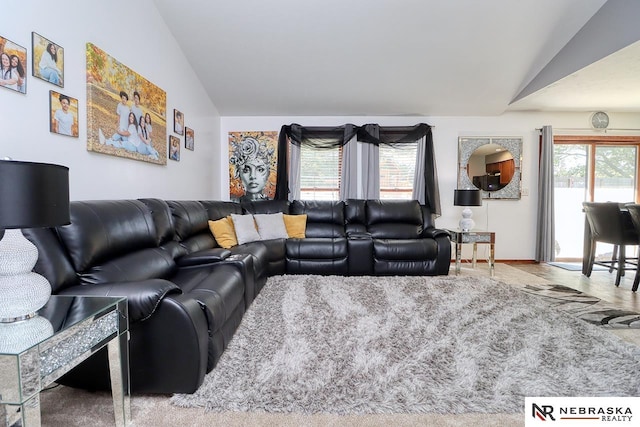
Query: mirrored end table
460, 237
68, 330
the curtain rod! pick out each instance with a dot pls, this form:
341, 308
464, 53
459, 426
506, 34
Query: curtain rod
592, 129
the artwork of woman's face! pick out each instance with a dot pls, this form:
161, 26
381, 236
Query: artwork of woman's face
254, 175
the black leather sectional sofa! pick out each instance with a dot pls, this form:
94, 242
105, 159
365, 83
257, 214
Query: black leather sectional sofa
187, 295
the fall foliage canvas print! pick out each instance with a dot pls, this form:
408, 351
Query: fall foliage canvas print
126, 114
253, 157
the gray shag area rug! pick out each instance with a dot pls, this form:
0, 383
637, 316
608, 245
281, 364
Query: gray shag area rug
375, 345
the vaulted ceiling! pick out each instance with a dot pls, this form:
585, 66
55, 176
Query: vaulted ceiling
410, 57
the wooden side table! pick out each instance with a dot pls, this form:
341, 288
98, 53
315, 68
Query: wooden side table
78, 328
460, 237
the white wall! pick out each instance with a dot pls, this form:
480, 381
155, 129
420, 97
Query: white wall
133, 33
512, 220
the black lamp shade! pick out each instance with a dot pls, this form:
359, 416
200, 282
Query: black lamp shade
467, 198
33, 194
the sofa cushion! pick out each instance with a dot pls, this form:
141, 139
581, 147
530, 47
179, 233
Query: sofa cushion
271, 226
224, 232
245, 227
295, 225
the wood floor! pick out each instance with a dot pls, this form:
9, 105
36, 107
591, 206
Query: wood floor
600, 284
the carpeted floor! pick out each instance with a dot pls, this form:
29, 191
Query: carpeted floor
361, 345
64, 406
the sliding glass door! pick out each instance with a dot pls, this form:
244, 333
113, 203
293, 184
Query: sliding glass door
601, 169
570, 179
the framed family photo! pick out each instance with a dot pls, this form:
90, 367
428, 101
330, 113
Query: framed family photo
174, 148
126, 113
13, 66
189, 139
63, 114
48, 60
178, 122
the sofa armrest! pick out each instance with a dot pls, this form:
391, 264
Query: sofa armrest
435, 232
142, 296
205, 256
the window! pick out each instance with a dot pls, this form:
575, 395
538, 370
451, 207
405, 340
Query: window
397, 170
320, 173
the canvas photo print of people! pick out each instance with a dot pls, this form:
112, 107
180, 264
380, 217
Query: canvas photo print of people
174, 148
13, 66
189, 139
126, 113
252, 165
48, 60
178, 122
63, 112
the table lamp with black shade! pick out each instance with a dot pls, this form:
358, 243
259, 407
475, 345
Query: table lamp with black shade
467, 198
32, 195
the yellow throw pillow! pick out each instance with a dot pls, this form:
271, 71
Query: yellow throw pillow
224, 232
296, 225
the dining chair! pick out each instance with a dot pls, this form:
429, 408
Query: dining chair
634, 213
610, 223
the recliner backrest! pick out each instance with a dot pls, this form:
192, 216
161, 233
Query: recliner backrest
325, 218
394, 219
104, 229
165, 229
191, 222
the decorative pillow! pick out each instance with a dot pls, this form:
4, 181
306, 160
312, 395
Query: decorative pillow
245, 228
271, 226
296, 225
223, 232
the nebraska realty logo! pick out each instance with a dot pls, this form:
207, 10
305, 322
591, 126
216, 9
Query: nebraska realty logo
582, 411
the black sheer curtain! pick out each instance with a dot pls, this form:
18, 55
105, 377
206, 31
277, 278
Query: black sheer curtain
332, 137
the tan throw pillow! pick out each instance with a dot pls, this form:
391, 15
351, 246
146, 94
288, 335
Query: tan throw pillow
271, 226
245, 228
223, 232
296, 225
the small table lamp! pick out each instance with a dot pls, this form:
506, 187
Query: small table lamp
31, 195
467, 198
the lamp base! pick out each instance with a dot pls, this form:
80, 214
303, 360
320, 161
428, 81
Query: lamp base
22, 292
466, 223
18, 336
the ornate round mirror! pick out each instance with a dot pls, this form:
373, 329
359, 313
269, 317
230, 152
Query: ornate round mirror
491, 164
490, 167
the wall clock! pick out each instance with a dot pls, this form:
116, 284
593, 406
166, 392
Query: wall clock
599, 120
